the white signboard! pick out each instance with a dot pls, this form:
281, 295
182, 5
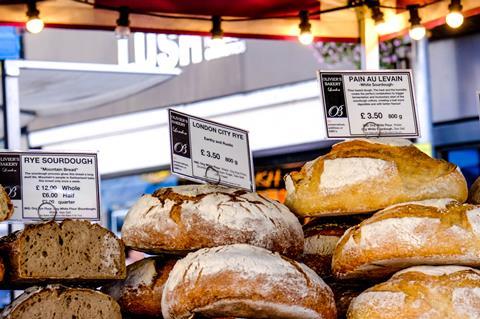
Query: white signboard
45, 186
368, 103
211, 152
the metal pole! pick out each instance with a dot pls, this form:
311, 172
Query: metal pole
369, 40
421, 74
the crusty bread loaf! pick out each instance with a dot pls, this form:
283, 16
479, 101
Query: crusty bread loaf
423, 292
6, 206
141, 292
70, 251
363, 175
186, 218
321, 237
59, 302
434, 232
245, 281
474, 193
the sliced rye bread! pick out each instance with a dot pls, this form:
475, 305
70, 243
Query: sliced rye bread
6, 206
59, 302
72, 251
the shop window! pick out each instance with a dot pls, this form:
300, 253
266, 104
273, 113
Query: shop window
468, 159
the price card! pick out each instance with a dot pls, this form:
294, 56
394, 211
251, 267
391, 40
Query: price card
207, 151
368, 103
44, 186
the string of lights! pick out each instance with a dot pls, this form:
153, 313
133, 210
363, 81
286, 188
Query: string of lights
417, 31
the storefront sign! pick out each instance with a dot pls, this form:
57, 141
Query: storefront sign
44, 186
211, 152
368, 103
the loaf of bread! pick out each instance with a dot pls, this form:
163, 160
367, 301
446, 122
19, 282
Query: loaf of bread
321, 237
59, 302
423, 292
141, 292
474, 193
6, 206
433, 232
186, 218
70, 251
245, 281
361, 175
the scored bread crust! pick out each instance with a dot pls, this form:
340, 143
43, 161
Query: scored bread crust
361, 176
427, 292
141, 292
6, 206
474, 193
432, 232
245, 281
186, 218
64, 302
76, 256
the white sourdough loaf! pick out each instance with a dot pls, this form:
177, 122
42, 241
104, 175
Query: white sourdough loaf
59, 302
434, 232
423, 292
141, 292
70, 251
474, 193
185, 218
245, 281
361, 175
6, 206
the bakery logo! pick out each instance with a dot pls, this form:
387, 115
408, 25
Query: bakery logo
334, 97
10, 168
179, 130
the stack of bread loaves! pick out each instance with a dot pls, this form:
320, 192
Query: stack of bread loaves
419, 218
239, 263
53, 259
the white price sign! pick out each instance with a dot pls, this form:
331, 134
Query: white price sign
45, 185
368, 103
207, 151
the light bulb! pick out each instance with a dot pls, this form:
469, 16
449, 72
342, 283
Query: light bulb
34, 25
122, 32
381, 27
454, 19
305, 37
417, 32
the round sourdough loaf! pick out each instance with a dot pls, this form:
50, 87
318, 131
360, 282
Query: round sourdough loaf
474, 193
56, 301
245, 281
141, 292
423, 292
6, 206
433, 232
361, 175
186, 218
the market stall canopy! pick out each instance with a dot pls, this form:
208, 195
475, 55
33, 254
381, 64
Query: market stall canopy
270, 19
54, 88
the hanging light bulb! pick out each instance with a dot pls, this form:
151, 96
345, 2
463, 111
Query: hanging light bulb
34, 23
305, 37
377, 16
417, 30
455, 16
122, 31
216, 31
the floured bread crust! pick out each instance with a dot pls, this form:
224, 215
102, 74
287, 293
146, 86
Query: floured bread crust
6, 206
141, 292
56, 301
429, 232
185, 218
474, 193
245, 281
359, 176
427, 292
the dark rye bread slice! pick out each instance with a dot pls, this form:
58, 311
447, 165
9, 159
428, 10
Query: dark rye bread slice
59, 302
6, 206
72, 251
